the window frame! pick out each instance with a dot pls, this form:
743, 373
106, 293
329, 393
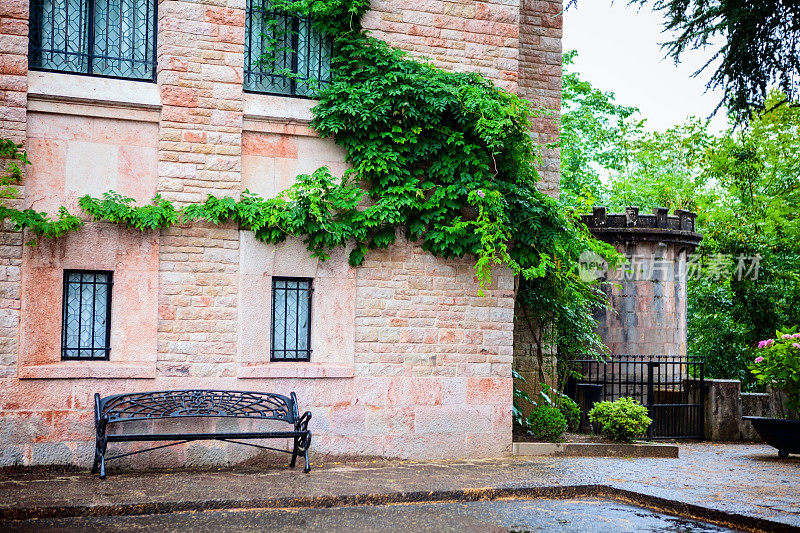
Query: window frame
91, 56
250, 70
65, 291
272, 349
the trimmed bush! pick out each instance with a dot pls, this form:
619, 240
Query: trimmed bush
623, 420
546, 423
570, 410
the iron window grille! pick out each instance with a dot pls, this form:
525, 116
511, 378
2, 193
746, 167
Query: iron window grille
284, 54
291, 319
86, 315
113, 38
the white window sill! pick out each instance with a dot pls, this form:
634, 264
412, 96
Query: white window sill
59, 92
89, 369
268, 113
295, 370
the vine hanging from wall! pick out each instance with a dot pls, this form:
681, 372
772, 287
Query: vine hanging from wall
445, 158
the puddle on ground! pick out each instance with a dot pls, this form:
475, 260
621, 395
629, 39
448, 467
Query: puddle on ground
569, 515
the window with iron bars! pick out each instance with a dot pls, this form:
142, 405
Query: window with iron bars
86, 318
114, 38
291, 319
284, 54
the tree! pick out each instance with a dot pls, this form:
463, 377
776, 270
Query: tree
663, 169
595, 132
760, 48
754, 212
745, 187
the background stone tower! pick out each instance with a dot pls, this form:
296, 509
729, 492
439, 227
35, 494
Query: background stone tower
648, 293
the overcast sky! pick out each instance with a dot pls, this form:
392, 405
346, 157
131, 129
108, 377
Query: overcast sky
619, 50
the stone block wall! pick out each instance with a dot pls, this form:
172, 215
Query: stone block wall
13, 102
540, 79
13, 68
726, 405
647, 294
411, 362
648, 314
459, 35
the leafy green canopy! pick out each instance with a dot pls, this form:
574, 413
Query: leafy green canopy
745, 187
759, 49
753, 210
595, 135
444, 158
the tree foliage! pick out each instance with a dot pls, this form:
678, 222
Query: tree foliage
760, 47
663, 169
595, 133
754, 211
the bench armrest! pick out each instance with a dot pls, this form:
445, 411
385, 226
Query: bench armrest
302, 423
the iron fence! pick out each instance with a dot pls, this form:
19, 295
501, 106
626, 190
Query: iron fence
670, 386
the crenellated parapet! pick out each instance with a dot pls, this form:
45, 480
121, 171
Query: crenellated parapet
633, 226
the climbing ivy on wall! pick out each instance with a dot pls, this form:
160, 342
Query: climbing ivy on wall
13, 160
446, 159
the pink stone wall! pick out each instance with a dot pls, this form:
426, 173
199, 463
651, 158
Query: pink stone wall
408, 360
459, 35
13, 101
648, 313
540, 79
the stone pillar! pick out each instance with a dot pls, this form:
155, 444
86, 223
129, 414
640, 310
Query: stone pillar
648, 293
540, 80
200, 72
13, 126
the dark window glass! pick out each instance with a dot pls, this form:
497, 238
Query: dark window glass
302, 58
114, 38
291, 319
86, 318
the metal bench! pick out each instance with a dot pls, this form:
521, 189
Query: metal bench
119, 409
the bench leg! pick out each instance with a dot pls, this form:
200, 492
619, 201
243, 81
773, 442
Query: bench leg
295, 451
96, 462
301, 445
305, 453
103, 446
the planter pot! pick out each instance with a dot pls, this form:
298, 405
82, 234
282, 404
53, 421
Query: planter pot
779, 433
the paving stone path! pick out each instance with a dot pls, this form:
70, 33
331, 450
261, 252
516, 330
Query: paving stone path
747, 480
585, 515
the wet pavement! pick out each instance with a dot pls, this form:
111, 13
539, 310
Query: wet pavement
572, 515
745, 481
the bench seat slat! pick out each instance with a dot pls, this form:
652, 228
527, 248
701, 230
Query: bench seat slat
127, 437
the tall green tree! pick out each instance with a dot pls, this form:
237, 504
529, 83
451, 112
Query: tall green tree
755, 213
664, 169
753, 46
595, 132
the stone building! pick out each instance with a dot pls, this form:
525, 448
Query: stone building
399, 357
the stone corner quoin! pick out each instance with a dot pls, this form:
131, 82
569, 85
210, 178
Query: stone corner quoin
407, 360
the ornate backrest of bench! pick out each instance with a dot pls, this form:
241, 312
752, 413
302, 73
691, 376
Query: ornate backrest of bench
192, 403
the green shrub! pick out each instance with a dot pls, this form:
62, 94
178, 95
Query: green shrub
570, 410
565, 404
623, 420
546, 423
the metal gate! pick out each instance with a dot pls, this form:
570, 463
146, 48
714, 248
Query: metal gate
670, 386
